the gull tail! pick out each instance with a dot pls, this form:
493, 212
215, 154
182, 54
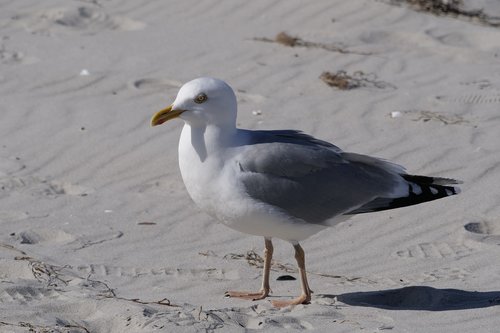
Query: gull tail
420, 189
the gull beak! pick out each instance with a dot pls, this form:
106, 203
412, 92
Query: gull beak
164, 115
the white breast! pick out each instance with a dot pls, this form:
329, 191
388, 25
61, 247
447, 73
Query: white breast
198, 171
211, 179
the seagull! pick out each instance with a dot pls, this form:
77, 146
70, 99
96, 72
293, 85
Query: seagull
281, 184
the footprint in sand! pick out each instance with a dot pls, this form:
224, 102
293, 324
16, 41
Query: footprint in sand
10, 165
480, 91
133, 272
286, 322
475, 98
11, 57
154, 85
41, 187
252, 318
435, 250
13, 215
244, 97
72, 83
27, 294
487, 232
440, 274
58, 187
35, 236
86, 19
454, 38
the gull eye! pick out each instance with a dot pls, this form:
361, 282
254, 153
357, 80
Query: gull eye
200, 98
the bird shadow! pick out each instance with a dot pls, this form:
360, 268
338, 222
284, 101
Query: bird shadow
421, 298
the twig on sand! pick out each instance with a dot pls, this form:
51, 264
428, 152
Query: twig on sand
12, 248
164, 301
110, 293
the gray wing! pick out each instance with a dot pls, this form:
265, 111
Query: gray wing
311, 179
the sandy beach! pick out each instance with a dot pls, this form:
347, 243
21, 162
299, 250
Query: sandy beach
100, 235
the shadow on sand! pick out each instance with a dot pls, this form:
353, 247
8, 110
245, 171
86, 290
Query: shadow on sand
422, 298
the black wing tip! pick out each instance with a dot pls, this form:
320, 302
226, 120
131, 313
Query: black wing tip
420, 180
430, 188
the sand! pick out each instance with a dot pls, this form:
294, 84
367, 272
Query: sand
99, 235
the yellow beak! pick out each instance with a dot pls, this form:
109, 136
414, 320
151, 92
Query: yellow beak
164, 115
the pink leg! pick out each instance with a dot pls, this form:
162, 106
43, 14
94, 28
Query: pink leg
305, 296
265, 289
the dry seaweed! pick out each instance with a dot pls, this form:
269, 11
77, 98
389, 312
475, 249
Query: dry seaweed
287, 40
67, 328
452, 8
343, 81
425, 116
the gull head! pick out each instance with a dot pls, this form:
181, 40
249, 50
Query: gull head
202, 102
